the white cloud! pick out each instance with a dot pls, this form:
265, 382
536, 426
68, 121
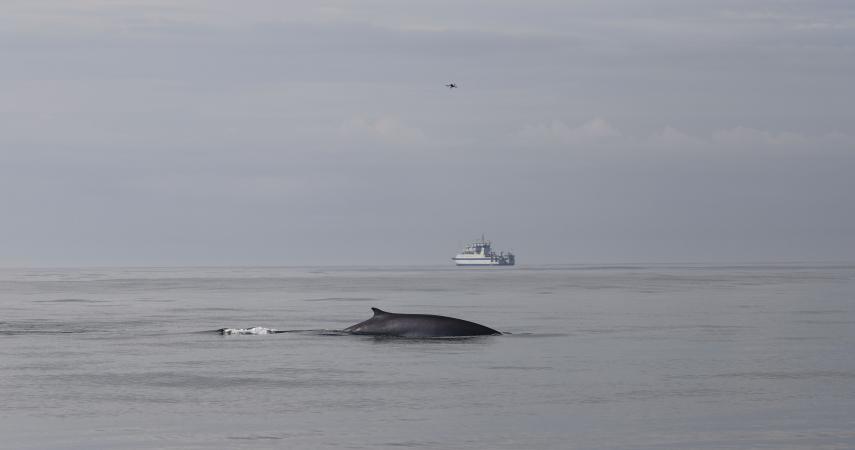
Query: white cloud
744, 136
671, 139
558, 132
386, 129
600, 133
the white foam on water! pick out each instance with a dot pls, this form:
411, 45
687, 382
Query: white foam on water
253, 330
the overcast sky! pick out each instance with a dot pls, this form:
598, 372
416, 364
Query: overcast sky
319, 132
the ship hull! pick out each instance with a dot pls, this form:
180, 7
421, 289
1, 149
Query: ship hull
478, 262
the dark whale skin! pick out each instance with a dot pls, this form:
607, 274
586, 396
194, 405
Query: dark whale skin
418, 326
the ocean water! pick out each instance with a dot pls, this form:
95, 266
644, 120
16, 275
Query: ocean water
596, 357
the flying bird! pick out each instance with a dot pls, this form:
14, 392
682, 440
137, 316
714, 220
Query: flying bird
451, 85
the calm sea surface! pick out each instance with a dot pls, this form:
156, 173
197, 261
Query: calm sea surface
598, 357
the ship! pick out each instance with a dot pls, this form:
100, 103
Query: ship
480, 253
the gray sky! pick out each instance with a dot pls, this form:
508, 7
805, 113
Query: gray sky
306, 133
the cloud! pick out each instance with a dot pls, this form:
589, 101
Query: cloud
753, 140
602, 134
558, 132
670, 137
744, 136
387, 129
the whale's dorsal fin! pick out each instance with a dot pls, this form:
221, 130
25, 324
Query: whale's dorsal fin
378, 312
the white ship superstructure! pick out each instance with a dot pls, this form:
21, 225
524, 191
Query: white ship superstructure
481, 254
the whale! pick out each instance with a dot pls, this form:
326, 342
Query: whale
384, 323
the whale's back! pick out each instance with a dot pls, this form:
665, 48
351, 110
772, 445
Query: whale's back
418, 325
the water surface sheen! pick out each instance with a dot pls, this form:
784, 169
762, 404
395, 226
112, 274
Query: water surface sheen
597, 357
